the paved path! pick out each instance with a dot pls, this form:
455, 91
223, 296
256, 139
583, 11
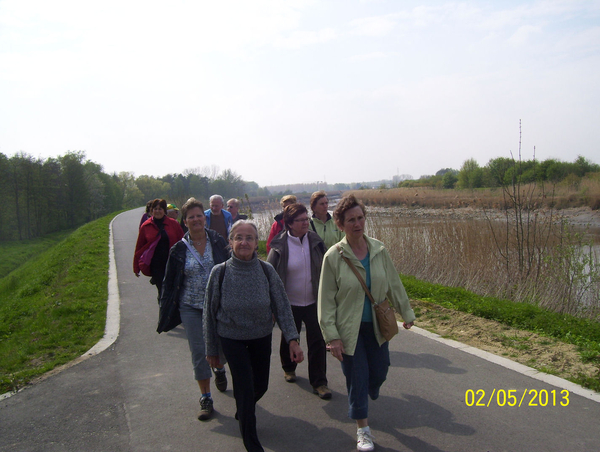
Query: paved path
139, 395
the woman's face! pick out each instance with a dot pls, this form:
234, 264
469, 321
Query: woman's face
195, 220
321, 206
354, 222
158, 212
299, 225
244, 242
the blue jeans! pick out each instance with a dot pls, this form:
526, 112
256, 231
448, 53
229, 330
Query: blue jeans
192, 322
365, 371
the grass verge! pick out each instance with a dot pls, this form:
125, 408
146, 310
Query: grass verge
53, 307
15, 253
583, 333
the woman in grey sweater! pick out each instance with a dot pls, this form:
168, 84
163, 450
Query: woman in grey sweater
243, 296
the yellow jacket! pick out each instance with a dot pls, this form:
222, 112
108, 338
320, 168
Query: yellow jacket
341, 296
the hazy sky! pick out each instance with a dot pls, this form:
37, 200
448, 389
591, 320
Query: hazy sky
299, 91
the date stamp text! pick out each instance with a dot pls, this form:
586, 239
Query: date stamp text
517, 398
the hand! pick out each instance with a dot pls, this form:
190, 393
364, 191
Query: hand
296, 353
337, 348
408, 325
213, 361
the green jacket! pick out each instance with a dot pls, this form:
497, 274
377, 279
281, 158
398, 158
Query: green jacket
327, 231
341, 296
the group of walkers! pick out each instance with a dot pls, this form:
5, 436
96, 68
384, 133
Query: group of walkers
229, 299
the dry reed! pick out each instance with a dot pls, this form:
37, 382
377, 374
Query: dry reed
569, 193
463, 253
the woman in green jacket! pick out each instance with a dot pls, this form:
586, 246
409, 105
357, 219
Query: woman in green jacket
346, 315
321, 221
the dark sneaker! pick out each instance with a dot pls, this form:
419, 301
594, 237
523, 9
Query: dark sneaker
206, 408
290, 377
220, 379
323, 392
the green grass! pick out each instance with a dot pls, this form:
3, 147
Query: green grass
53, 307
262, 249
581, 332
15, 253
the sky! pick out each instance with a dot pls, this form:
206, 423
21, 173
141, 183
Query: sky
299, 91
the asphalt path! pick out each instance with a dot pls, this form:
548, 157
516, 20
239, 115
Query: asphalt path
139, 395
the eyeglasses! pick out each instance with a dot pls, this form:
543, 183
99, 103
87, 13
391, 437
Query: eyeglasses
229, 207
301, 220
241, 238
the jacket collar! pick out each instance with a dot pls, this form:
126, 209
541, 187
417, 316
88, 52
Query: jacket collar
279, 240
375, 247
316, 219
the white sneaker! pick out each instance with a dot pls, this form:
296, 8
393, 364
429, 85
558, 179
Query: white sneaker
364, 440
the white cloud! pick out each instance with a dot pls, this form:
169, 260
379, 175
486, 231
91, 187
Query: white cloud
373, 26
369, 56
523, 34
301, 38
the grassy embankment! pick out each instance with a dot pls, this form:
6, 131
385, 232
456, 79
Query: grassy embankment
53, 306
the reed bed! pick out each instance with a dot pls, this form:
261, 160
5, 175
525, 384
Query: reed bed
563, 275
572, 192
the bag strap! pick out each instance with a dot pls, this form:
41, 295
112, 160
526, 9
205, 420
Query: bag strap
355, 271
193, 251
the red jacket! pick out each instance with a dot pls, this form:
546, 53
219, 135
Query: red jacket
276, 228
149, 232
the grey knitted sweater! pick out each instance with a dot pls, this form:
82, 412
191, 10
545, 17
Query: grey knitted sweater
247, 305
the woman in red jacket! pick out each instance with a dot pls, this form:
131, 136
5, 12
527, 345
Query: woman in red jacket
278, 225
162, 232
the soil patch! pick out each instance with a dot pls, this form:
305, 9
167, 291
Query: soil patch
542, 353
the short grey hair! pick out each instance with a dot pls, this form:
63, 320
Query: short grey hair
235, 201
239, 223
213, 197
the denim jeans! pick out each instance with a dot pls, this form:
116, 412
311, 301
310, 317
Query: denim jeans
192, 322
365, 371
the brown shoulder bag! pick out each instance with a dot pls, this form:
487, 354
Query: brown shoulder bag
388, 326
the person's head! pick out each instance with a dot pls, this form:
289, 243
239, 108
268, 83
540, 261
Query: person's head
216, 204
287, 200
243, 239
159, 208
319, 203
295, 219
346, 204
172, 211
192, 213
149, 207
233, 206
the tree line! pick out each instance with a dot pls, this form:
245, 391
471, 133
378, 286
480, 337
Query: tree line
503, 171
48, 195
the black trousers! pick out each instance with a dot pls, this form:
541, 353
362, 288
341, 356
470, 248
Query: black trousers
317, 352
249, 362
